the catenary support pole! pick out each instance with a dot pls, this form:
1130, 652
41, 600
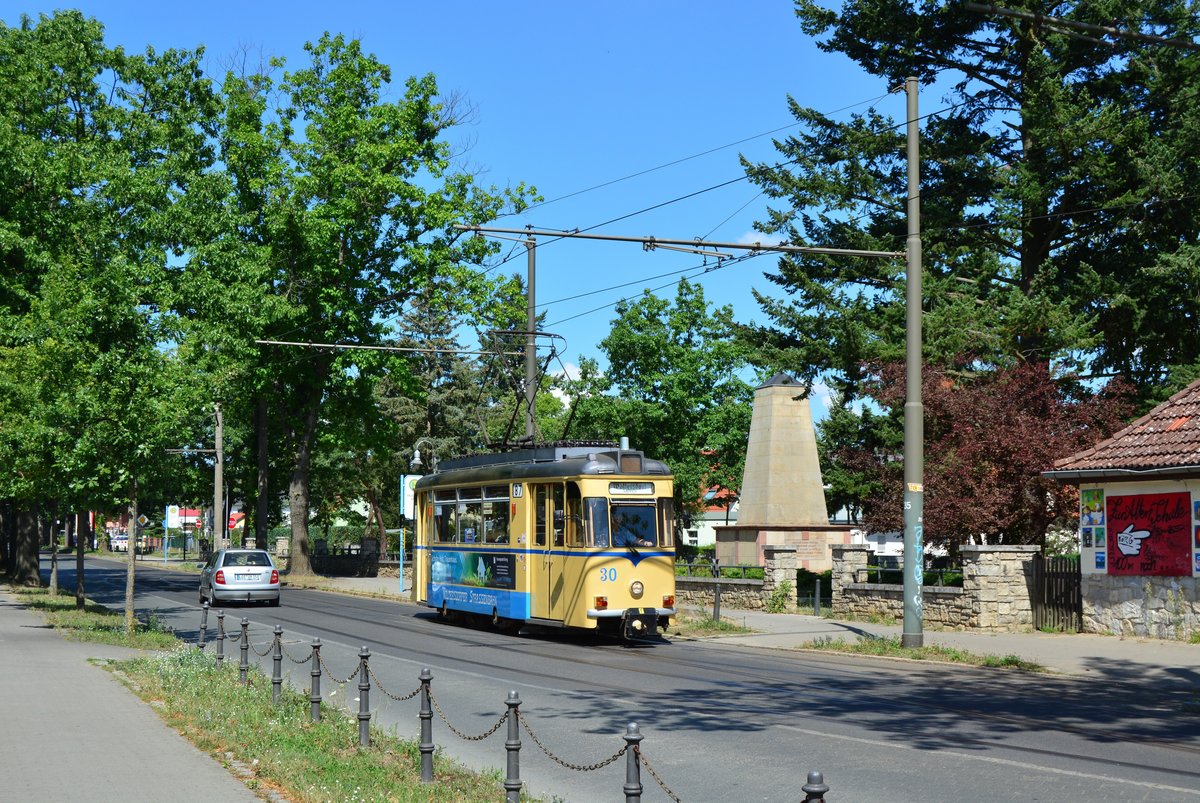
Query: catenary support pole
530, 339
914, 413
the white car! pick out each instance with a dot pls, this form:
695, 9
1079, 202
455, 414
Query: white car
118, 543
239, 575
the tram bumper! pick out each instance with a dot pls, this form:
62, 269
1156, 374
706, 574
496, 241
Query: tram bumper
632, 623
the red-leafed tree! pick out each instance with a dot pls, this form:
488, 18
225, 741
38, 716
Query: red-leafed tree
989, 435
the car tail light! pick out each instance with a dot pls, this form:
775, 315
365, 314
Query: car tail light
601, 603
274, 576
669, 601
219, 579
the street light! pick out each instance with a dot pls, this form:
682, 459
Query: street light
415, 464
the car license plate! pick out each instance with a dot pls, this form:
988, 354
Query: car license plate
247, 576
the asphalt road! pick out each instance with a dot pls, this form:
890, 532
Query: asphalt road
722, 722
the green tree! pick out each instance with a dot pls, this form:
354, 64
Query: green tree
1055, 196
98, 146
342, 208
674, 387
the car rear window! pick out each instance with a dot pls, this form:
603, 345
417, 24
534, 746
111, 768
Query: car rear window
248, 559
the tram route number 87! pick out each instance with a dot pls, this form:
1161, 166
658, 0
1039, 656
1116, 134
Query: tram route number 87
608, 575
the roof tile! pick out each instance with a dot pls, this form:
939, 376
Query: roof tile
1166, 437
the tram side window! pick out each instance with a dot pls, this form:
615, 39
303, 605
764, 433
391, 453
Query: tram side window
596, 511
495, 522
666, 520
574, 523
560, 516
444, 522
539, 517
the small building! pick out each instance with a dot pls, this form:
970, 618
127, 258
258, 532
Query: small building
1139, 522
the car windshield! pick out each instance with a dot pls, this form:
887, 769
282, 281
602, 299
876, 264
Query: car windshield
247, 559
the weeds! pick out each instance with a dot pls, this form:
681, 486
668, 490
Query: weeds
779, 601
96, 623
890, 647
696, 623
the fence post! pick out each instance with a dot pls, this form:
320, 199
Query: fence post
220, 638
315, 693
244, 666
277, 665
364, 698
633, 766
426, 745
512, 782
815, 789
203, 625
817, 597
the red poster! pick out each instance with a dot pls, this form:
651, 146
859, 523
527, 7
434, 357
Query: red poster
1149, 534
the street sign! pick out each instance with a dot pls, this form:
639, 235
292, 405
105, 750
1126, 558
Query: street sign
142, 520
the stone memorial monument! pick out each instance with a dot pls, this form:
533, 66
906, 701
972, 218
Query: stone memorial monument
782, 496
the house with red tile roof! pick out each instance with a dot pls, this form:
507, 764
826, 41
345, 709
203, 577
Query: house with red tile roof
1139, 522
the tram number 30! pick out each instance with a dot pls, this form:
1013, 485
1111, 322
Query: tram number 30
608, 575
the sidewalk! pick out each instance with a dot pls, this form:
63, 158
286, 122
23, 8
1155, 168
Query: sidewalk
72, 732
1084, 655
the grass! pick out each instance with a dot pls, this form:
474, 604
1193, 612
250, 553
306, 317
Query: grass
95, 623
278, 748
694, 623
271, 747
890, 647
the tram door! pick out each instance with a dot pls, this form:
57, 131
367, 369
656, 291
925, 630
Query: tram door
549, 520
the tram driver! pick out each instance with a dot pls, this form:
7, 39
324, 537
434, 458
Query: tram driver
625, 529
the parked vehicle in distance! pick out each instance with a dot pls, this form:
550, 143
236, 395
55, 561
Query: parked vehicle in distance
118, 543
239, 575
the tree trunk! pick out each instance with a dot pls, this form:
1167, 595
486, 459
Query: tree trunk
6, 536
298, 498
50, 523
131, 554
83, 539
261, 501
24, 569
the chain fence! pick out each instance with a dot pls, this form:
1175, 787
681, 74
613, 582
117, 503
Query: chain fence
635, 758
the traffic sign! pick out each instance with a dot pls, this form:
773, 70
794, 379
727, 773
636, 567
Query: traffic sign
142, 520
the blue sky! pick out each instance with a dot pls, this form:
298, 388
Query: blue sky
569, 96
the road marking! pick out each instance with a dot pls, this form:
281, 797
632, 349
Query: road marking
1003, 761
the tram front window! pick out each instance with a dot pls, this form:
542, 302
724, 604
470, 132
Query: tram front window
634, 525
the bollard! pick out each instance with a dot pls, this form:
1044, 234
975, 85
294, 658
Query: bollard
633, 766
220, 638
716, 570
277, 665
203, 625
512, 780
315, 695
244, 666
364, 698
817, 597
815, 789
426, 745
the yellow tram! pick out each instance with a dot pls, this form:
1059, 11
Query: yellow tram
559, 535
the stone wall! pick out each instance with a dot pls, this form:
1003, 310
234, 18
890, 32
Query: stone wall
1160, 607
744, 594
995, 594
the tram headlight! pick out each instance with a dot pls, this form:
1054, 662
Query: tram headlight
636, 589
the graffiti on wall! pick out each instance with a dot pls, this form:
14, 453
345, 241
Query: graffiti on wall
1149, 534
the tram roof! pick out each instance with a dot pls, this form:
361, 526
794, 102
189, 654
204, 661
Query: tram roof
552, 460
